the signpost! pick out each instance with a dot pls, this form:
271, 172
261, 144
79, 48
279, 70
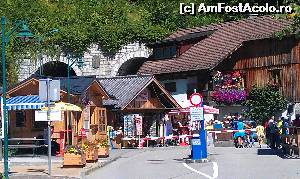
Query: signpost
199, 149
42, 116
52, 88
196, 113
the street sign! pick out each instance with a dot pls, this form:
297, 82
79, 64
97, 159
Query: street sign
196, 113
196, 142
196, 99
42, 116
54, 90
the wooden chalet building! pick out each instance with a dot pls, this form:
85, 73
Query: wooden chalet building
86, 92
139, 95
103, 101
188, 58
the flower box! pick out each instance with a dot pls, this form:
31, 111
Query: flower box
92, 155
72, 159
103, 152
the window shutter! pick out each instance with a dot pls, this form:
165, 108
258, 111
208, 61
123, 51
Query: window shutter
96, 61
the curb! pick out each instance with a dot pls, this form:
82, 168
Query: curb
99, 165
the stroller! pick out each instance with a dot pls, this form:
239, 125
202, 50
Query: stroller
249, 140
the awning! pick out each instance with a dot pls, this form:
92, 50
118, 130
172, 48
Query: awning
24, 102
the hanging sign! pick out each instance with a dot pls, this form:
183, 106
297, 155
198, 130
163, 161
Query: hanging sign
196, 113
42, 116
139, 125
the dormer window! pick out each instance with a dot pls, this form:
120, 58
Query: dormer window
164, 52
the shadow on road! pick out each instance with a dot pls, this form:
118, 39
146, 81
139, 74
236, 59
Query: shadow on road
277, 152
155, 160
268, 152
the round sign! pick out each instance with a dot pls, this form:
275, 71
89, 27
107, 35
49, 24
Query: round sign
196, 99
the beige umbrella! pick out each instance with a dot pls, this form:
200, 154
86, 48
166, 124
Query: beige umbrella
62, 106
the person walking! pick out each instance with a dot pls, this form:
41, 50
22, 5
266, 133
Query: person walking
272, 133
260, 131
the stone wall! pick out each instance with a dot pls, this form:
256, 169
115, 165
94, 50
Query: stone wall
96, 63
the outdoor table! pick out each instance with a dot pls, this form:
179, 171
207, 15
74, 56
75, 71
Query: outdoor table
19, 145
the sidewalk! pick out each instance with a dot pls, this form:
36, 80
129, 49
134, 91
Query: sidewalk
37, 167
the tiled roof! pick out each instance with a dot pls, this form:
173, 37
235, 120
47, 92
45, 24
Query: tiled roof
209, 52
123, 88
78, 83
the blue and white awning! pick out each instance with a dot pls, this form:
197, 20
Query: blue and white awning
24, 102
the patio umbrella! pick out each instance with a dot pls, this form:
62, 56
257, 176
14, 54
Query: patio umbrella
62, 106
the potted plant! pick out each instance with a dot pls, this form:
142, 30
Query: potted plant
74, 156
103, 148
90, 151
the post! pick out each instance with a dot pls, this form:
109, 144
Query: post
4, 99
49, 126
69, 99
202, 134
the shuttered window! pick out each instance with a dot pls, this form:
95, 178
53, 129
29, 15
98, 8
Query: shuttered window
96, 61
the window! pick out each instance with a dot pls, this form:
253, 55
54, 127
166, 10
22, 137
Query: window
39, 124
275, 77
102, 120
171, 87
96, 61
20, 118
158, 53
164, 52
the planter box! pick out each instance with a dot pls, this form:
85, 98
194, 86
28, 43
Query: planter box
74, 160
103, 152
92, 155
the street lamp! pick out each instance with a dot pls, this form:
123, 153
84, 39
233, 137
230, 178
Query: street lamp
80, 63
24, 34
41, 39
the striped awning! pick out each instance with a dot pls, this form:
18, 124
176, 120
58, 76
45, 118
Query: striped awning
24, 102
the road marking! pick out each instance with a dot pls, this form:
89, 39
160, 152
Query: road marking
215, 168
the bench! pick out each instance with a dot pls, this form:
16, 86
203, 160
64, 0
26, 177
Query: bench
31, 143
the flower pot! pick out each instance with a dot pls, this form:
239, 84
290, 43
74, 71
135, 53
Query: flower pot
103, 152
72, 159
92, 155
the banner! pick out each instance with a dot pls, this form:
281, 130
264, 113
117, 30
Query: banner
139, 125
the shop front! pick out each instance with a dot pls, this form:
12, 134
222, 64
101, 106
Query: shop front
85, 111
137, 109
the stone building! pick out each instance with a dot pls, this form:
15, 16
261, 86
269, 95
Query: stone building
95, 63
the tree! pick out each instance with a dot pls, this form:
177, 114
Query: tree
263, 103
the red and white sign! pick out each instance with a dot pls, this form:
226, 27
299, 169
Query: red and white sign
196, 99
82, 132
139, 125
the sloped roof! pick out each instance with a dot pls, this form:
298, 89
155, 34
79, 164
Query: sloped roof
124, 88
209, 52
78, 83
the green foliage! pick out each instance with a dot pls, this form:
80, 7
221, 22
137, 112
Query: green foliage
264, 102
108, 23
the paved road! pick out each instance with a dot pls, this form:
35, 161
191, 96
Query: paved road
225, 163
